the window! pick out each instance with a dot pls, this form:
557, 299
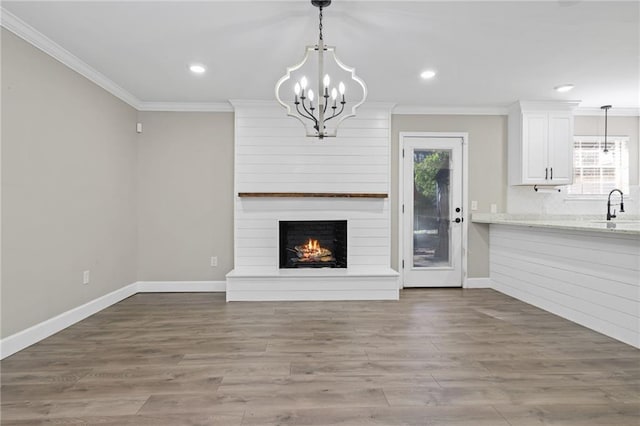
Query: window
596, 172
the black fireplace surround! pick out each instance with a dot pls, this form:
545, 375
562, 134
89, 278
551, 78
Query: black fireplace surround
331, 236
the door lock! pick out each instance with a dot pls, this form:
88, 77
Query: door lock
458, 209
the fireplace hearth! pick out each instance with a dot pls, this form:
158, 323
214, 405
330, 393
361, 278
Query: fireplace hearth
313, 244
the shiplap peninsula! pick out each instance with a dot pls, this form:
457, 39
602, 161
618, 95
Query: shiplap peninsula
584, 270
282, 175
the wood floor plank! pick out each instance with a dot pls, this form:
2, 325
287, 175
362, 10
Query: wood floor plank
435, 357
387, 416
572, 414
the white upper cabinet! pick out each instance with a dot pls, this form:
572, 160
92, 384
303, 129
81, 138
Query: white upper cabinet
541, 143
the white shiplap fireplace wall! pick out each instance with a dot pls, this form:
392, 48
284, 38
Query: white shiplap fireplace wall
272, 154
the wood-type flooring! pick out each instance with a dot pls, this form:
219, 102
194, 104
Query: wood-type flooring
436, 357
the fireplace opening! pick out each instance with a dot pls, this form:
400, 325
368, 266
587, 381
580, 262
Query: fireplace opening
313, 244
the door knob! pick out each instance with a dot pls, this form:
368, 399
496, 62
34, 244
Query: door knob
458, 220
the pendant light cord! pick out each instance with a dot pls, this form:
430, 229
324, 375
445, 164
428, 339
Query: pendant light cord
606, 110
605, 130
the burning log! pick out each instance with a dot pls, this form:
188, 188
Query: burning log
312, 252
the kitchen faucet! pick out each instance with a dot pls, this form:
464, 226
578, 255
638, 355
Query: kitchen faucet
609, 215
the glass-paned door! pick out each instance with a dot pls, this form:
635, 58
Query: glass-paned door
432, 212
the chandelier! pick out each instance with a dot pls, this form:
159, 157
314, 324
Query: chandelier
321, 111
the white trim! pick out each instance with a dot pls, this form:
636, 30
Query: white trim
32, 335
484, 282
186, 106
463, 110
53, 49
181, 286
613, 112
465, 196
25, 338
544, 106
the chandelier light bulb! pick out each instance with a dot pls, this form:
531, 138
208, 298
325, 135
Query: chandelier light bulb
326, 80
303, 82
341, 88
334, 93
310, 95
296, 89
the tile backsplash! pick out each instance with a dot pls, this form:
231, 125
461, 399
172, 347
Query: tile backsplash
524, 200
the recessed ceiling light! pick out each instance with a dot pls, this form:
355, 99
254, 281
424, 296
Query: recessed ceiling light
427, 74
197, 68
564, 88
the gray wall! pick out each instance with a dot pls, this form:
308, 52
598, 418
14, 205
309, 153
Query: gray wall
487, 173
68, 188
185, 202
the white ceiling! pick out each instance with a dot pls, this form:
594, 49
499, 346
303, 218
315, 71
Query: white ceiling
487, 54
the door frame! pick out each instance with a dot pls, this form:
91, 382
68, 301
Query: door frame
465, 194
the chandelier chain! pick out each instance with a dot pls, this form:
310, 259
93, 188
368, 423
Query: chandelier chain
320, 26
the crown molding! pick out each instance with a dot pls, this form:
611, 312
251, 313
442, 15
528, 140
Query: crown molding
186, 106
544, 105
53, 49
254, 103
428, 110
613, 112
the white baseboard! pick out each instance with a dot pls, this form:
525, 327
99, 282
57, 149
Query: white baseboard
25, 338
181, 286
484, 282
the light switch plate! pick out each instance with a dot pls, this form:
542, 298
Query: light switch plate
474, 205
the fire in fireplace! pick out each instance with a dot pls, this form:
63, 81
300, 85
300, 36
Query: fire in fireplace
313, 244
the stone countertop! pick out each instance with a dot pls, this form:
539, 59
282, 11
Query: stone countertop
629, 225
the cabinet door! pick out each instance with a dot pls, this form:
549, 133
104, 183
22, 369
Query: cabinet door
534, 148
560, 148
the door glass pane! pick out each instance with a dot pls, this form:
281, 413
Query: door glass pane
431, 201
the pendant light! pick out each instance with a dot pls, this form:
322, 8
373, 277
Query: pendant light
322, 111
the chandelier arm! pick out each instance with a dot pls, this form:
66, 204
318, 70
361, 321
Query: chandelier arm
313, 117
336, 114
302, 114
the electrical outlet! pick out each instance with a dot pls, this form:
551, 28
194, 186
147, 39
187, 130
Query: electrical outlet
474, 205
85, 277
494, 208
214, 261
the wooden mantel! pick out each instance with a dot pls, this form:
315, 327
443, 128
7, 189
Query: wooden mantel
312, 195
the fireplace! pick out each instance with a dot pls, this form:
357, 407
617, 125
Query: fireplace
283, 180
313, 244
